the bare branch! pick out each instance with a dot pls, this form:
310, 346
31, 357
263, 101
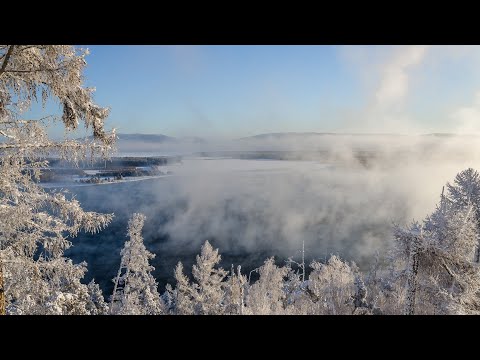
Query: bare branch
2, 133
47, 145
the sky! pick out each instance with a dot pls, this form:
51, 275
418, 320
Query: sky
237, 91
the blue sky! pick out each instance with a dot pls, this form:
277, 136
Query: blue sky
236, 91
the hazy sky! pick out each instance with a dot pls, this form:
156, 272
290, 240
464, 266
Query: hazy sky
235, 91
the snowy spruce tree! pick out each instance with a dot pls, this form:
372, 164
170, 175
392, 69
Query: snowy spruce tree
135, 290
465, 189
208, 288
463, 193
97, 304
361, 306
183, 295
37, 225
235, 289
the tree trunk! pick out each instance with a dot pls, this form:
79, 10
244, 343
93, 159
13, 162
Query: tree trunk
477, 250
115, 287
412, 282
3, 309
303, 261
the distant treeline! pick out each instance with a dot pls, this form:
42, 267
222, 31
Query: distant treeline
117, 168
118, 162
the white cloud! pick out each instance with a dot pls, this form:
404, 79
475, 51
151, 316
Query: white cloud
394, 83
387, 112
386, 72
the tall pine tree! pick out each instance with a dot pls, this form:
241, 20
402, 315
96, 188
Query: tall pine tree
135, 290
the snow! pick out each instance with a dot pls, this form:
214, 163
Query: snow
92, 172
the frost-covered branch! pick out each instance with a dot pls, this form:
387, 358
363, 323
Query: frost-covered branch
7, 58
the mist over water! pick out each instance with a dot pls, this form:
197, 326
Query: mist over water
338, 202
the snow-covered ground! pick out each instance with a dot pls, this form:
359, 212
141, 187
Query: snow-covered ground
92, 172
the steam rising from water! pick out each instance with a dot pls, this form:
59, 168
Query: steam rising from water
337, 201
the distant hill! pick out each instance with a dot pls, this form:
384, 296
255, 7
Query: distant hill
192, 140
152, 142
291, 135
282, 135
296, 135
148, 138
444, 135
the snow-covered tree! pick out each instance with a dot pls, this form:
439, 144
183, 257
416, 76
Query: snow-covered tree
267, 295
37, 225
135, 291
465, 189
235, 287
440, 276
183, 295
168, 298
332, 286
361, 306
463, 193
297, 300
209, 292
385, 295
97, 304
